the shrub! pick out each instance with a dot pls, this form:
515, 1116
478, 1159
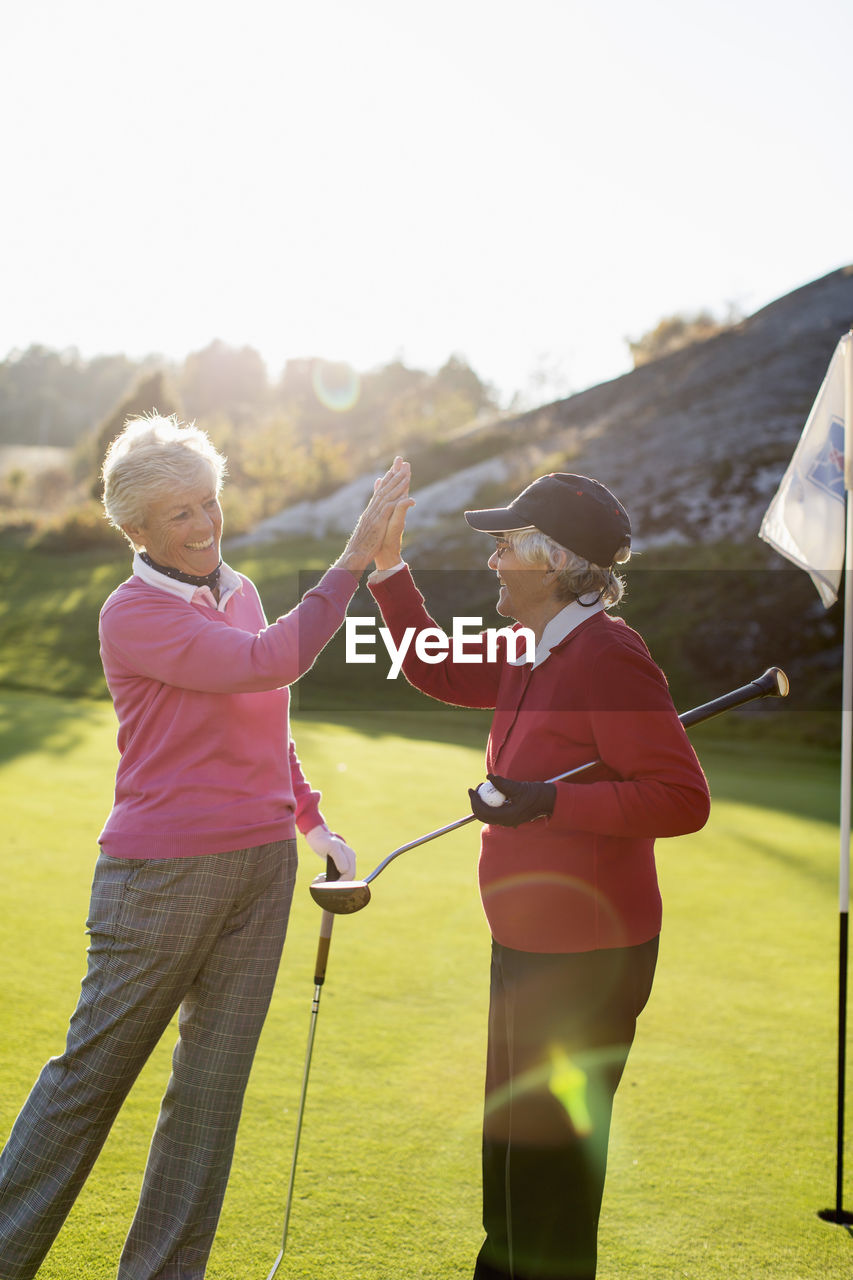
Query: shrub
671, 334
82, 528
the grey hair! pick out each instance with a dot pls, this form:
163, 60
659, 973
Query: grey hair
151, 458
576, 577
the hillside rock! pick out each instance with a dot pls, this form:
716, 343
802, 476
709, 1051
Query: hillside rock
694, 444
337, 513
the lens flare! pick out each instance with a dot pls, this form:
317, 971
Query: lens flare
336, 385
568, 1083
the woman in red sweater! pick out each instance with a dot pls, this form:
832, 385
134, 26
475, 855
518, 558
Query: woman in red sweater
567, 872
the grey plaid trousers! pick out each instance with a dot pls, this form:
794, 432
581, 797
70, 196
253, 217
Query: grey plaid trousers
203, 935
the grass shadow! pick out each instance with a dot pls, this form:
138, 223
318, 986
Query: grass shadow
822, 874
37, 722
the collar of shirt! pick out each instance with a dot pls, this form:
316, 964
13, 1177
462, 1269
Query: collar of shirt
229, 582
559, 627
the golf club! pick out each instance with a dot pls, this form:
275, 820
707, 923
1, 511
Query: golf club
347, 896
323, 945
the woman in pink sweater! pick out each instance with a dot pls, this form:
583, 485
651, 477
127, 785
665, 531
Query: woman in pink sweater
192, 888
567, 871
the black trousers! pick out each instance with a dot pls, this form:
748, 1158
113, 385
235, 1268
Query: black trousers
560, 1028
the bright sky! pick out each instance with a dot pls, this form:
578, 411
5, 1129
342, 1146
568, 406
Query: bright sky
524, 183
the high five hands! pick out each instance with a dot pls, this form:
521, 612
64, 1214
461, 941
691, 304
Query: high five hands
389, 553
370, 538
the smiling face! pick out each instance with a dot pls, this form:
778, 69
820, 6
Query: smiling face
526, 593
183, 529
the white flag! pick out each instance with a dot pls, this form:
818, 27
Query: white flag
805, 522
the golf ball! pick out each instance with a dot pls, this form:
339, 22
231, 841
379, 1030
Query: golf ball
490, 794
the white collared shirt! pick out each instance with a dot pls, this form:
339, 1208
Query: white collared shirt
561, 625
229, 582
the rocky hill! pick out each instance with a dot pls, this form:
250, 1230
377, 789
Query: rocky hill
694, 444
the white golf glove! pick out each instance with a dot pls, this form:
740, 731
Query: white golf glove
325, 845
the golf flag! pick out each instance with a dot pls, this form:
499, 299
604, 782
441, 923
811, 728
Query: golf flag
810, 522
805, 522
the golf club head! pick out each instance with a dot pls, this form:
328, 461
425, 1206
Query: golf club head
341, 897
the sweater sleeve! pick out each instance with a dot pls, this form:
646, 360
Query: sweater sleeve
308, 813
470, 683
655, 786
154, 635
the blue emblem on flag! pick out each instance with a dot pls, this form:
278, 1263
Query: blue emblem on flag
827, 470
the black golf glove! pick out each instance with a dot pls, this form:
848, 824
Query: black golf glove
524, 802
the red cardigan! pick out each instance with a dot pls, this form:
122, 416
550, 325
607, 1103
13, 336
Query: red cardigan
585, 878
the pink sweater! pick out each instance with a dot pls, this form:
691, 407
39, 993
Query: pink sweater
207, 764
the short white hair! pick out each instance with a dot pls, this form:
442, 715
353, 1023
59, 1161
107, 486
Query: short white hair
151, 458
576, 577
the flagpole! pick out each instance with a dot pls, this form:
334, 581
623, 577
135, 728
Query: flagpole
839, 1214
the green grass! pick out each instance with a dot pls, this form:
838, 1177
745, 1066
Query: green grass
723, 1139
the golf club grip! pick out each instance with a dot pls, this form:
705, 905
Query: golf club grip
326, 921
772, 684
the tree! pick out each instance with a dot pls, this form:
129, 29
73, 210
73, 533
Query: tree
456, 378
224, 380
151, 394
52, 397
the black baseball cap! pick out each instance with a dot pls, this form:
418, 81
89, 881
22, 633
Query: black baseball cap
579, 513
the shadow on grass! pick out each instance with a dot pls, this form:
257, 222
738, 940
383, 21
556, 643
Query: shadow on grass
768, 770
823, 874
38, 722
454, 726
